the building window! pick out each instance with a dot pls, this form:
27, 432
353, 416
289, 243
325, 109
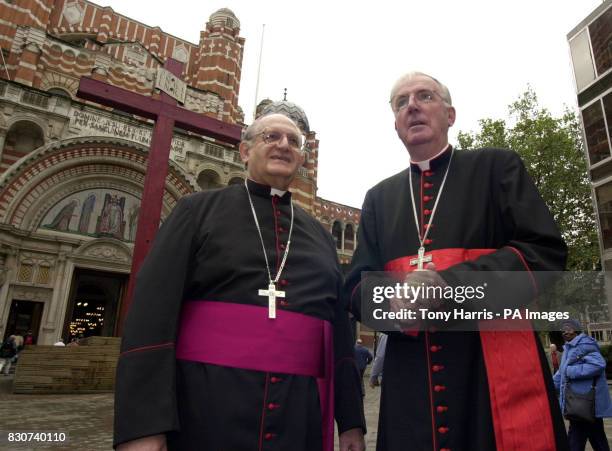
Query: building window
43, 275
349, 237
337, 234
60, 92
25, 273
603, 195
601, 41
596, 134
607, 102
209, 179
36, 99
582, 60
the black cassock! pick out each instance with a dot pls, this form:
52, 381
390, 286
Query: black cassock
435, 388
209, 249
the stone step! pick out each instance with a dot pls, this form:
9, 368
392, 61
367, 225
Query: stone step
88, 368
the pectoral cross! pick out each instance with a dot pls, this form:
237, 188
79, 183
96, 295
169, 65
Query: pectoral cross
272, 295
421, 258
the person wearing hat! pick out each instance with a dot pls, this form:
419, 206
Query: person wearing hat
583, 366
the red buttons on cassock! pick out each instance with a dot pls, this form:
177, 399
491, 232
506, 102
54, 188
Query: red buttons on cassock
428, 173
278, 213
428, 241
427, 198
439, 388
269, 436
283, 303
281, 229
275, 379
437, 368
426, 212
445, 449
427, 185
273, 406
443, 430
435, 348
282, 246
283, 282
441, 409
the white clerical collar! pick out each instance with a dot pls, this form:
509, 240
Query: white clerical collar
424, 165
276, 192
262, 187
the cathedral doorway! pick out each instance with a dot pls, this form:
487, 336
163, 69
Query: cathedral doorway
94, 303
24, 317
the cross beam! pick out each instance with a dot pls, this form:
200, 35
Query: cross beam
167, 115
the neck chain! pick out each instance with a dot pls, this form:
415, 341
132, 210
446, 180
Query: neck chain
271, 292
422, 258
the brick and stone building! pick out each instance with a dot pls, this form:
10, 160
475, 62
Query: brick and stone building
71, 172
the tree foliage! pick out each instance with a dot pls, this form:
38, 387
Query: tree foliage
552, 150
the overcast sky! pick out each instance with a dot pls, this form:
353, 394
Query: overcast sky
339, 59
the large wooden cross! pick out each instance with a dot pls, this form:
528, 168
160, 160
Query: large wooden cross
167, 114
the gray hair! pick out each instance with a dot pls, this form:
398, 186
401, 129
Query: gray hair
255, 128
444, 92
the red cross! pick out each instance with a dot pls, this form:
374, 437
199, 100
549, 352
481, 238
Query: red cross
166, 114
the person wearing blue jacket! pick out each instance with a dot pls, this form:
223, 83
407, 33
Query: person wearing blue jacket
583, 366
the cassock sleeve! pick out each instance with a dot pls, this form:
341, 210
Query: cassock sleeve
348, 403
534, 252
145, 395
367, 256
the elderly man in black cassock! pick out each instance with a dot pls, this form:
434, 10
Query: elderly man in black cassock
451, 214
237, 338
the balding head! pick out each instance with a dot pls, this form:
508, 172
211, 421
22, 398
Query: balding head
272, 150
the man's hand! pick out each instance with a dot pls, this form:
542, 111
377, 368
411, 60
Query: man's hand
352, 440
427, 278
151, 443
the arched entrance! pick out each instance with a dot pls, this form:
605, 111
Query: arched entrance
94, 303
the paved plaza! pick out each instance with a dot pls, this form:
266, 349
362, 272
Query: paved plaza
88, 420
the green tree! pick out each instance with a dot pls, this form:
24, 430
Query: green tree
552, 150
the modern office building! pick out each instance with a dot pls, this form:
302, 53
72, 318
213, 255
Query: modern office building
590, 45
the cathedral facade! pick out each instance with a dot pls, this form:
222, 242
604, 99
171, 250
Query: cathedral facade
72, 172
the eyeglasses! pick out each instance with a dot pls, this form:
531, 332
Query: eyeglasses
274, 137
422, 96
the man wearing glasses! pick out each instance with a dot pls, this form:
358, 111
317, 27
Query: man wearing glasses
237, 338
450, 215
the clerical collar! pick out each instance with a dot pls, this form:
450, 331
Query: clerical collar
425, 165
261, 190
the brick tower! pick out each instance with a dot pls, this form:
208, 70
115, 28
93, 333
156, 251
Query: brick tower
219, 64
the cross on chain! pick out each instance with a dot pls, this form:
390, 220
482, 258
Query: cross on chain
421, 258
272, 294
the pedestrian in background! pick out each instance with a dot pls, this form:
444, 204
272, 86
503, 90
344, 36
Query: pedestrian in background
8, 351
363, 357
583, 367
379, 359
554, 358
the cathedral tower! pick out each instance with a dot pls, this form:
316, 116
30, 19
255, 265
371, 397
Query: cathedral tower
219, 66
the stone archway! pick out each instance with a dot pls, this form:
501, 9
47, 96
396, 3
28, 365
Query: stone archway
209, 179
28, 192
22, 137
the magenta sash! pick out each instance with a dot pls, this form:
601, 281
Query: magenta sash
242, 336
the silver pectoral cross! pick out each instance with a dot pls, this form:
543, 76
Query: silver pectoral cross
421, 258
272, 294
